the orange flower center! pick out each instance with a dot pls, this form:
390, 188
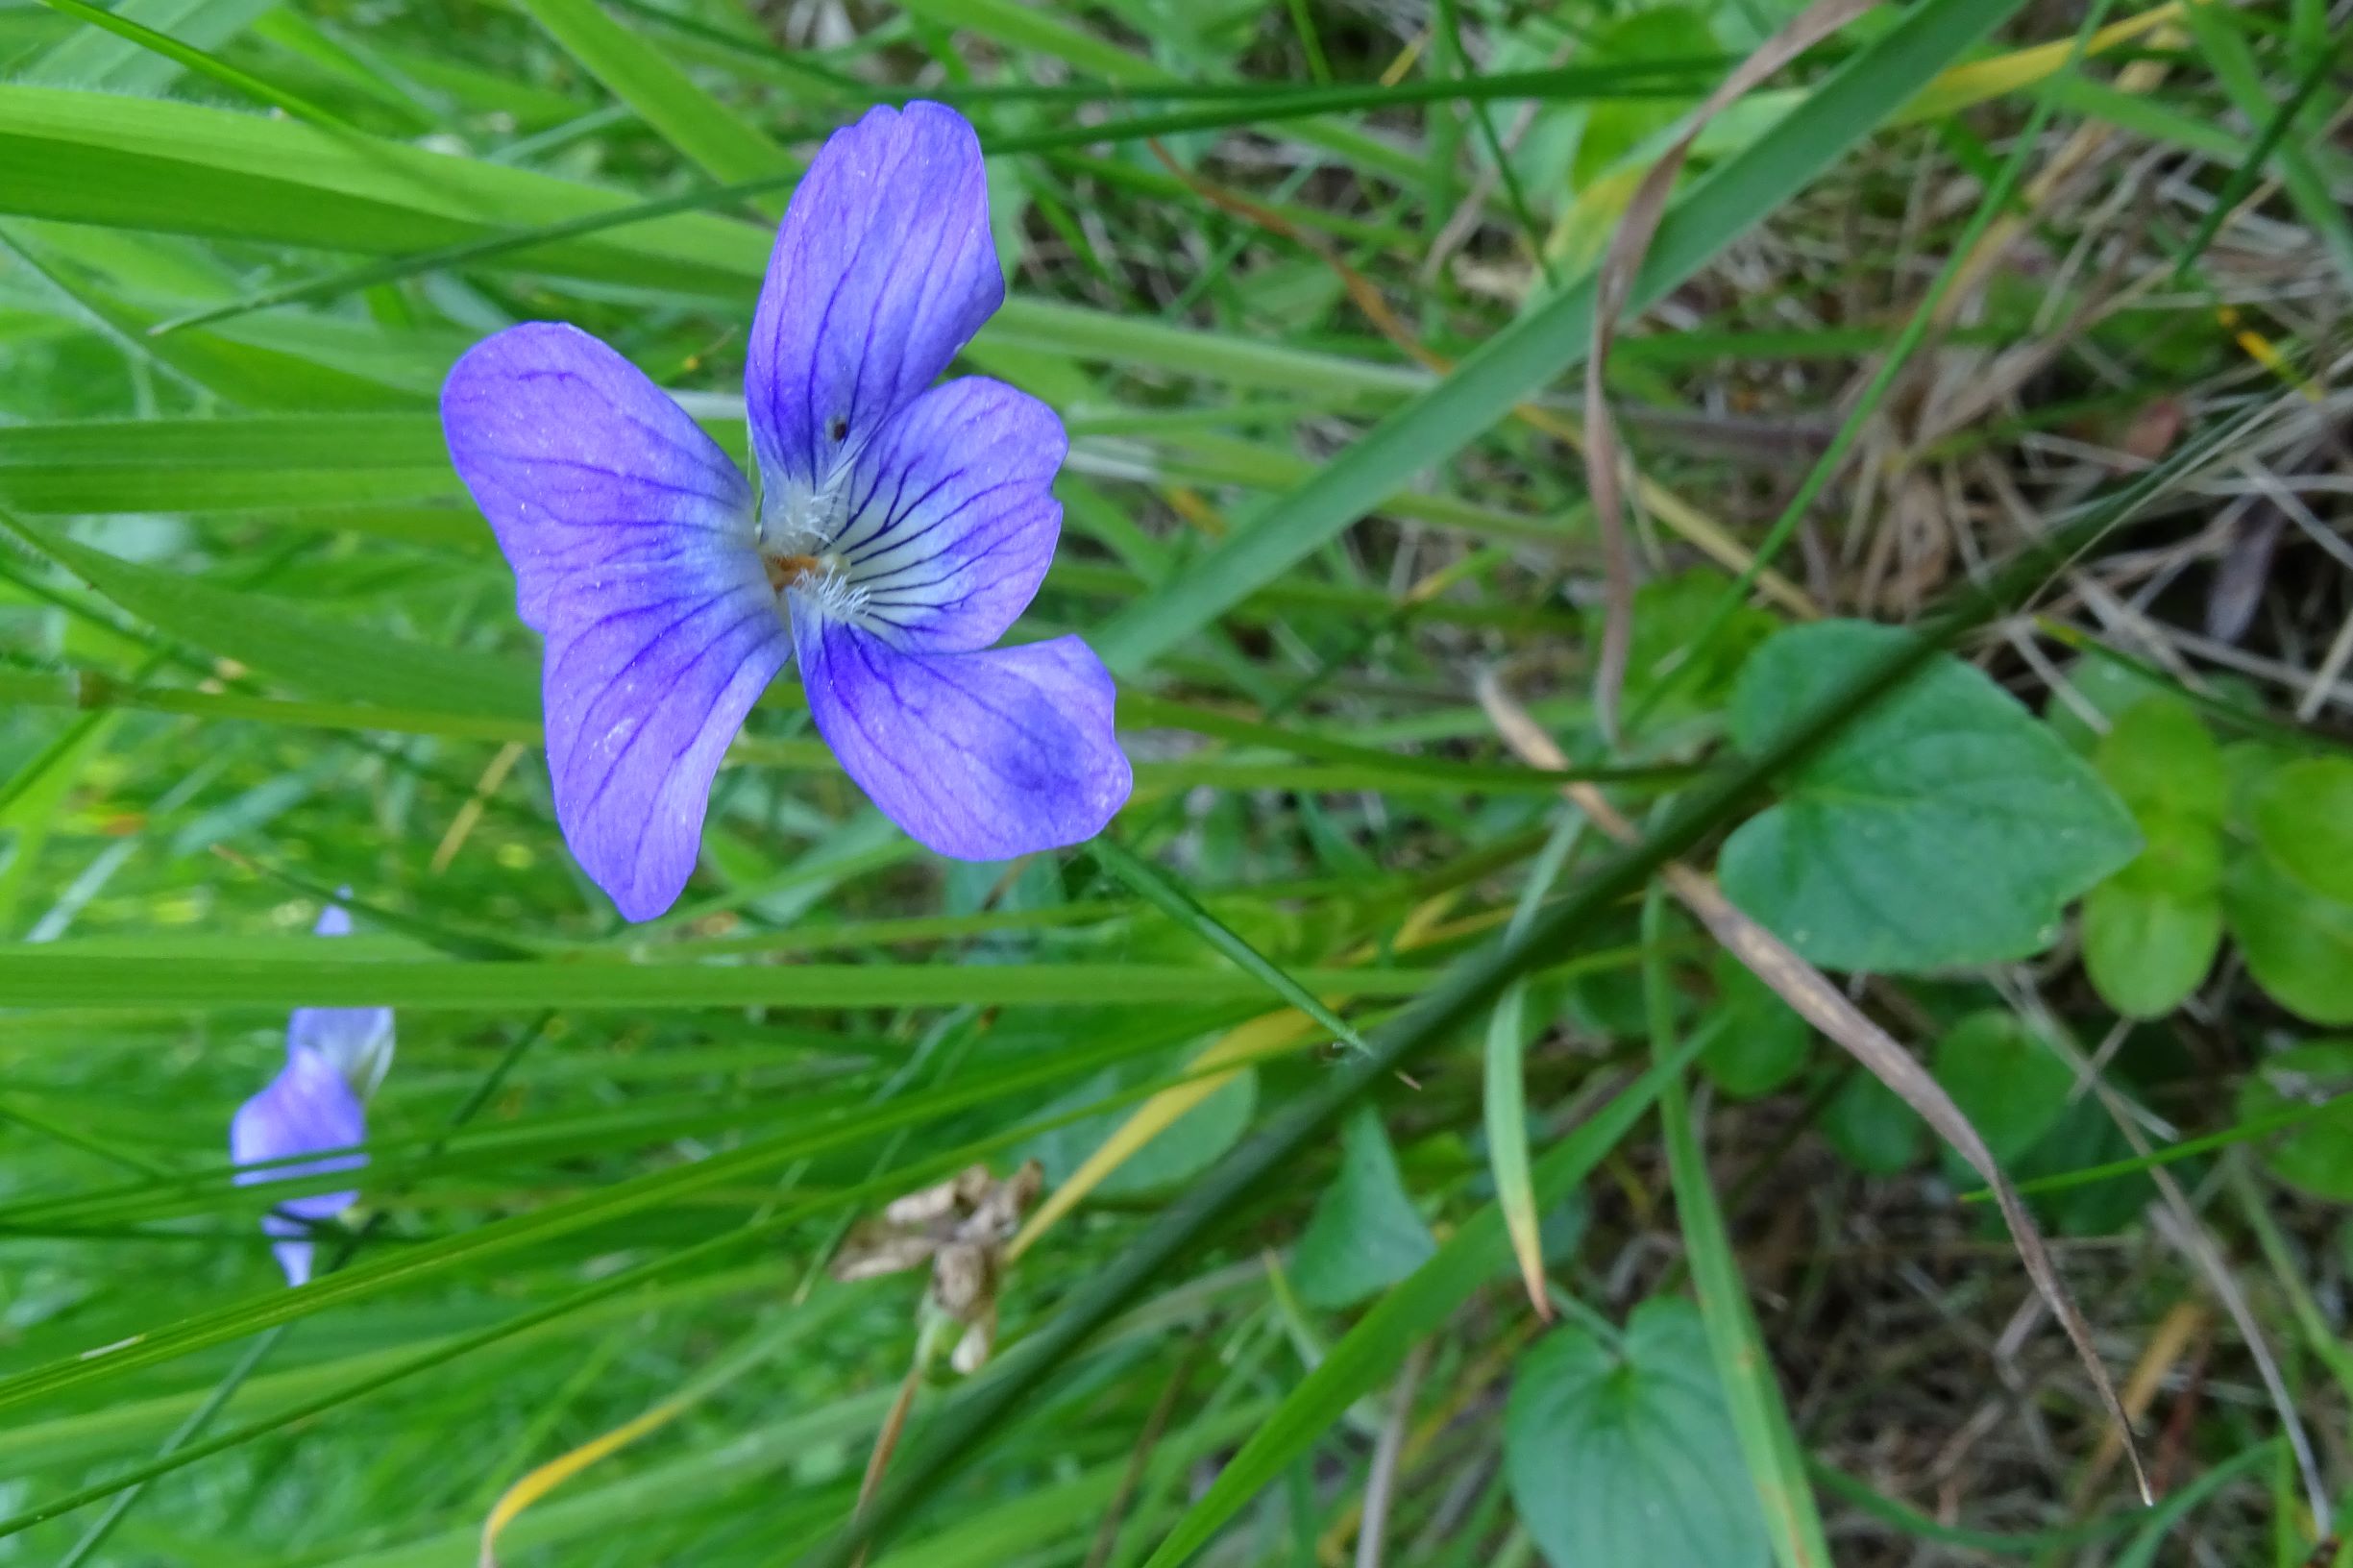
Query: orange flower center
792, 570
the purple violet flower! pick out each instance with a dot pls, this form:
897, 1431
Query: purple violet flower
335, 1057
898, 529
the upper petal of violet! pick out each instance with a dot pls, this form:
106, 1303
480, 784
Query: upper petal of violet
981, 755
952, 519
883, 270
636, 552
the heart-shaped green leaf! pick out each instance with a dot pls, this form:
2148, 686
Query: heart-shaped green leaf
1627, 1455
2149, 932
2304, 820
1365, 1233
2011, 1086
1946, 827
2298, 946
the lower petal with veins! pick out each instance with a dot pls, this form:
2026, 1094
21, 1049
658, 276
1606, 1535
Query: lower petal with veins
982, 755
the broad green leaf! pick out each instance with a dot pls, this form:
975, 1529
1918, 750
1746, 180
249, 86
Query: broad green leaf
2304, 820
2149, 932
2146, 949
1944, 827
2248, 766
2011, 1086
2298, 946
1625, 1454
1365, 1233
2160, 760
2109, 689
1760, 1045
2317, 1155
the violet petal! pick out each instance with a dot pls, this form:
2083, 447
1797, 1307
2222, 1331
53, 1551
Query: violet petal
883, 269
979, 755
356, 1042
635, 552
954, 519
306, 1109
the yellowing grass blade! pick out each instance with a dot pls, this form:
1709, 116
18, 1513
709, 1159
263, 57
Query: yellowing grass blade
1270, 1034
1266, 1035
1974, 82
795, 1324
557, 1471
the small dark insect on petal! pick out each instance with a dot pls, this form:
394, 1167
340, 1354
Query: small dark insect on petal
841, 429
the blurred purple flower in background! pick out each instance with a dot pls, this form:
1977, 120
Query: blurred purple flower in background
898, 530
335, 1057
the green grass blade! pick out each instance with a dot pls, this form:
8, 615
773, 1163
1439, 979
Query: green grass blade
1744, 1365
718, 141
196, 60
1411, 1311
2219, 38
1553, 338
1504, 1091
1156, 888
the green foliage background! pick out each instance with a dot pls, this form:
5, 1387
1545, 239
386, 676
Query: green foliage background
2091, 856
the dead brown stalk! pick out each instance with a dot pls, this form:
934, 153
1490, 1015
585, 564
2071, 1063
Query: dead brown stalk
1613, 286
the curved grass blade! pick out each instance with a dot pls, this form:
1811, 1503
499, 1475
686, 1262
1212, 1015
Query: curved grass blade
1925, 317
45, 979
2141, 1552
1503, 1094
1282, 105
635, 1195
717, 140
1165, 893
760, 1346
1744, 1365
1270, 1035
198, 61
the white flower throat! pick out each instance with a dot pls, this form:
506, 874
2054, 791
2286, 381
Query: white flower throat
798, 532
